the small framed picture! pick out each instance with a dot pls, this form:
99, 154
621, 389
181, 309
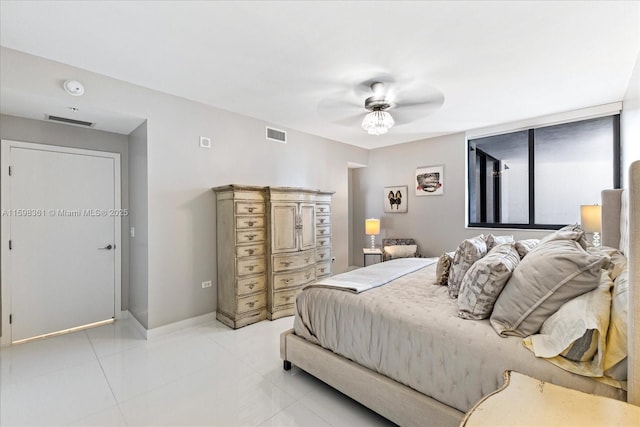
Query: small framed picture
430, 181
395, 199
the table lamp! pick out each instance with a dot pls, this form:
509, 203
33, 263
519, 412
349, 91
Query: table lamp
590, 219
372, 227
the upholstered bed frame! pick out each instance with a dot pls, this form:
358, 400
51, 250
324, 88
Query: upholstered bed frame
407, 407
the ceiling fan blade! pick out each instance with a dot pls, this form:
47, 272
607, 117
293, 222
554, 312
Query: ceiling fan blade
410, 113
340, 111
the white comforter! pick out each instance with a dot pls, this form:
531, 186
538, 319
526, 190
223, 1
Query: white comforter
409, 331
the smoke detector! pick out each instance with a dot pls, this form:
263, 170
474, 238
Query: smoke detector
73, 87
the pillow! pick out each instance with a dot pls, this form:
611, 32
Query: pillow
524, 246
401, 251
550, 275
484, 281
574, 337
617, 339
617, 260
469, 251
497, 240
570, 232
442, 269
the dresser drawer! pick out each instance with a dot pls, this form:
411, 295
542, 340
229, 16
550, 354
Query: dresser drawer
250, 250
323, 269
323, 220
249, 236
249, 222
323, 230
285, 297
255, 208
323, 242
251, 284
253, 302
248, 266
286, 262
322, 209
294, 278
323, 254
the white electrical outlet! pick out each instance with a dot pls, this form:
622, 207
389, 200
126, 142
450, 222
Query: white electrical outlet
206, 284
205, 142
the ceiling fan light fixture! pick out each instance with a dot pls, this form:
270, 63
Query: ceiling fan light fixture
377, 122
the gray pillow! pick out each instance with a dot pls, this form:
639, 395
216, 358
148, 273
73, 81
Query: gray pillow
469, 251
550, 275
485, 280
569, 232
442, 269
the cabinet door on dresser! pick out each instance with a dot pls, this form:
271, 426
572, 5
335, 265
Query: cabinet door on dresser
284, 227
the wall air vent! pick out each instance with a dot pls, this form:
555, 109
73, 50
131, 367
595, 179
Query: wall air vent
276, 135
69, 121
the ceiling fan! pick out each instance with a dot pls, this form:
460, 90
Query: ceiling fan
387, 105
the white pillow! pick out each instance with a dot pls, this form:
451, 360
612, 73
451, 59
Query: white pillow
401, 251
574, 337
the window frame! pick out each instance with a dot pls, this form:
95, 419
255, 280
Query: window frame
531, 225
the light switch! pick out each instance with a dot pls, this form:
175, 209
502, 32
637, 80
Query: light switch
132, 231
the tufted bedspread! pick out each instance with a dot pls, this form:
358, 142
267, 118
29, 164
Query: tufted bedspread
409, 330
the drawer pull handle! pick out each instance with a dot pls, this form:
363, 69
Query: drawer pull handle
322, 231
321, 209
250, 223
322, 255
251, 285
251, 209
321, 220
322, 242
251, 236
322, 270
287, 298
307, 275
250, 251
250, 267
306, 260
251, 304
285, 263
285, 281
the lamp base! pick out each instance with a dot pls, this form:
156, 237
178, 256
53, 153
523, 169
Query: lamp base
596, 240
373, 241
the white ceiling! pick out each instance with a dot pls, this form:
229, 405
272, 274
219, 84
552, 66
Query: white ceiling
285, 62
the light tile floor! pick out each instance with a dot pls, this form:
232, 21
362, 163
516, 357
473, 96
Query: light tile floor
208, 375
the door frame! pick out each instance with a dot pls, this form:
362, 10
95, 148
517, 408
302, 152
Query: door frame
5, 193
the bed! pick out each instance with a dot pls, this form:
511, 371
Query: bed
453, 362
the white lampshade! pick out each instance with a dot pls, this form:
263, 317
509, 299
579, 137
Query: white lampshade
377, 122
372, 226
590, 218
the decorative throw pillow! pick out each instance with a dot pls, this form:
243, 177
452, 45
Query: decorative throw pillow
617, 339
617, 260
442, 269
524, 246
469, 251
484, 281
401, 251
497, 240
550, 275
574, 337
569, 232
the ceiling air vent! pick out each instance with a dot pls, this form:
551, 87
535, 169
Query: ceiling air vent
69, 121
276, 135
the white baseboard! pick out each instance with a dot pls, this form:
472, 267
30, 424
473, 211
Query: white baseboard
171, 327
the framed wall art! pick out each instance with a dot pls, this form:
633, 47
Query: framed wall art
395, 199
430, 181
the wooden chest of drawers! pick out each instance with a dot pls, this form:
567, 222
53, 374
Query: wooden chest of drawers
242, 284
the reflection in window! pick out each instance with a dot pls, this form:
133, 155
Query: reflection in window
538, 178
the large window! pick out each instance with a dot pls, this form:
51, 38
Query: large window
538, 178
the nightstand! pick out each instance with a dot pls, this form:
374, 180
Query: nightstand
525, 401
369, 251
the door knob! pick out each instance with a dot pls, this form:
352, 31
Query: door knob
108, 247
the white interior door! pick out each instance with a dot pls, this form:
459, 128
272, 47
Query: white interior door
63, 214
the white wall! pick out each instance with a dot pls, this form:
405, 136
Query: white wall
181, 214
630, 123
